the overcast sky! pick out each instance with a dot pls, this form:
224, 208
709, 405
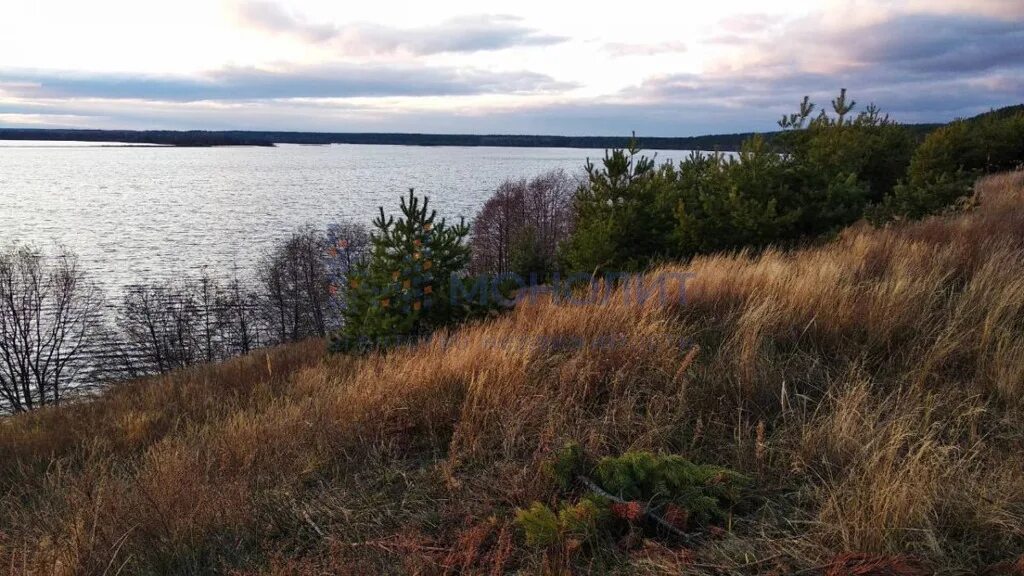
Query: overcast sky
669, 68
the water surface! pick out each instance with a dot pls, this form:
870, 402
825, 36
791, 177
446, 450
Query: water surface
137, 213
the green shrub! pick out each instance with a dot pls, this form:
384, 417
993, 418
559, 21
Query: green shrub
759, 197
565, 465
540, 525
706, 492
912, 201
816, 177
586, 521
680, 492
528, 257
987, 143
723, 202
867, 145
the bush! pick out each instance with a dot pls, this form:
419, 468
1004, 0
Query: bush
984, 144
705, 492
401, 293
584, 521
633, 486
540, 525
759, 198
912, 201
723, 202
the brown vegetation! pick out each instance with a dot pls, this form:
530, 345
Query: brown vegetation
871, 387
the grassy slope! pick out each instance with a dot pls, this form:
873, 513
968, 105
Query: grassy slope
873, 388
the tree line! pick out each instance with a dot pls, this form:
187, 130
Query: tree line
724, 142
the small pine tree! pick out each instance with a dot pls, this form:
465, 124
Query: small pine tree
706, 492
401, 293
622, 219
633, 486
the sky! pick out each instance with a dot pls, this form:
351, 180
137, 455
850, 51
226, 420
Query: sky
670, 68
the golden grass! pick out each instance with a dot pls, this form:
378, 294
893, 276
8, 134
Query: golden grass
871, 386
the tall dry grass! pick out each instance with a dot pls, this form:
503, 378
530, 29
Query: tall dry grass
871, 386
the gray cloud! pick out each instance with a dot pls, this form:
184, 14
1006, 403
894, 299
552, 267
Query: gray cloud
592, 117
920, 67
927, 43
908, 99
464, 34
715, 109
342, 81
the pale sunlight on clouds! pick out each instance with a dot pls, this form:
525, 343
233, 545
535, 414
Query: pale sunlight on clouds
661, 68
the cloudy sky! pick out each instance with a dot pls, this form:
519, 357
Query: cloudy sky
528, 67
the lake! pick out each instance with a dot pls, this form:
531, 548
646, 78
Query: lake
139, 213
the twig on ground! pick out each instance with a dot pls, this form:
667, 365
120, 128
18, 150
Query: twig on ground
647, 512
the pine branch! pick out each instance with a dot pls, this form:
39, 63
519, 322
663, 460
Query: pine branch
647, 512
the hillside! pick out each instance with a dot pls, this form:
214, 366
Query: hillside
871, 388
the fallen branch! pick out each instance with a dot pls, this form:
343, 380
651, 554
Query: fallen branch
389, 545
305, 514
647, 512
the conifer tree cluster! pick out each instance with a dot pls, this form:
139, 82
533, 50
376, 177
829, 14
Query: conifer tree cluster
401, 292
822, 172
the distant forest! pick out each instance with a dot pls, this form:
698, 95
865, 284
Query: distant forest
200, 138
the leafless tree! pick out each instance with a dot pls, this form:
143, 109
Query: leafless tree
238, 311
48, 316
173, 324
539, 209
294, 286
297, 279
158, 324
347, 245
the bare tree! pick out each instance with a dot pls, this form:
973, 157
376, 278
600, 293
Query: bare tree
48, 315
156, 325
294, 286
298, 279
495, 227
538, 210
170, 325
238, 310
348, 244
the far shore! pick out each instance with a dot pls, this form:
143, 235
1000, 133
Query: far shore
205, 138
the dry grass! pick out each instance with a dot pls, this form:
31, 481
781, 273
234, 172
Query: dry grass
873, 387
